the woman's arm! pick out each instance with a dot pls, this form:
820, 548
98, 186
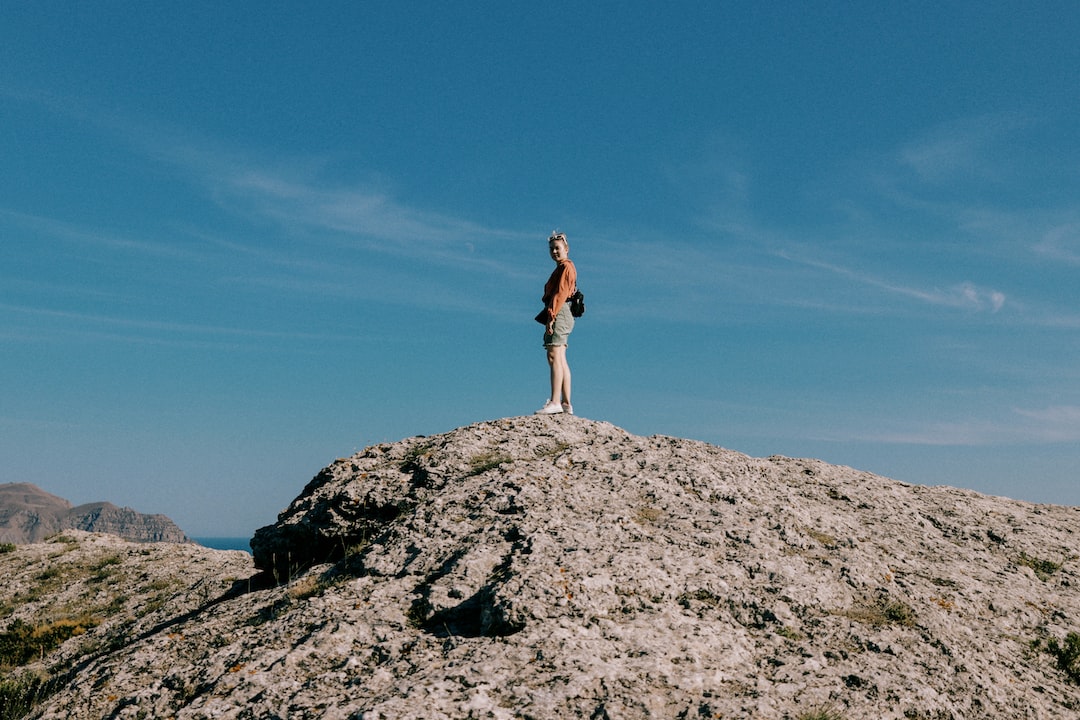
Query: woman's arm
566, 287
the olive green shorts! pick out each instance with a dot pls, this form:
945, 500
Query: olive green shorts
564, 325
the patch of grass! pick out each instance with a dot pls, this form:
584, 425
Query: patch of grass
418, 613
557, 448
103, 569
156, 594
23, 643
703, 596
413, 456
19, 694
821, 713
882, 611
1067, 654
47, 582
357, 548
270, 612
829, 542
482, 462
159, 584
789, 633
898, 613
648, 514
7, 548
1043, 569
153, 605
309, 586
50, 573
411, 464
106, 562
835, 494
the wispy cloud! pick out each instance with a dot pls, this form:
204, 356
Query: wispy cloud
158, 331
353, 224
960, 147
315, 211
294, 194
54, 229
962, 296
1058, 423
297, 196
363, 213
1061, 243
1050, 425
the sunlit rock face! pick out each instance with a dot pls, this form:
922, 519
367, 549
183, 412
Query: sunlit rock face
557, 567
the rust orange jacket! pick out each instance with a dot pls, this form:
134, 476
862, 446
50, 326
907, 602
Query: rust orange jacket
557, 290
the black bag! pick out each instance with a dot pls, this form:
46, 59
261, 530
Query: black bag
577, 304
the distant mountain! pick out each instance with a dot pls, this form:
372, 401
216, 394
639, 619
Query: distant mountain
28, 514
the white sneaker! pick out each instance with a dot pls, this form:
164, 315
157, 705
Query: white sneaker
550, 408
568, 408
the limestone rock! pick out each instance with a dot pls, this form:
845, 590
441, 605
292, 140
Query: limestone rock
556, 567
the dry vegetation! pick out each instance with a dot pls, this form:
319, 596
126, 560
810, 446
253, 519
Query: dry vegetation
76, 596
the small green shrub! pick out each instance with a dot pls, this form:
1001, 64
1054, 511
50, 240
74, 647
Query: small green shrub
22, 643
883, 611
1043, 569
412, 458
899, 613
826, 540
50, 573
483, 462
310, 586
19, 695
647, 514
103, 569
821, 713
106, 562
7, 547
1067, 655
270, 612
558, 448
790, 633
47, 582
703, 595
420, 610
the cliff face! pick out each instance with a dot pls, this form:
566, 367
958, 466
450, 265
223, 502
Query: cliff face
555, 567
28, 514
105, 517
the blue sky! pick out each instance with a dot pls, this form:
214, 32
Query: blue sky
239, 240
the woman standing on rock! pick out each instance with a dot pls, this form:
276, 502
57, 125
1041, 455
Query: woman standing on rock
558, 324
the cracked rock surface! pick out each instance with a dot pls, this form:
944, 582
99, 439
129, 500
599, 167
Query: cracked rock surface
557, 567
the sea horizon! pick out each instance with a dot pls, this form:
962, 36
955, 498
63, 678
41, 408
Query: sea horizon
225, 542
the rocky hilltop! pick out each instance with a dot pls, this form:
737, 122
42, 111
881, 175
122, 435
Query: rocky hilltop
28, 514
556, 567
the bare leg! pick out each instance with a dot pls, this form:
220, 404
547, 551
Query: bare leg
565, 377
560, 374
